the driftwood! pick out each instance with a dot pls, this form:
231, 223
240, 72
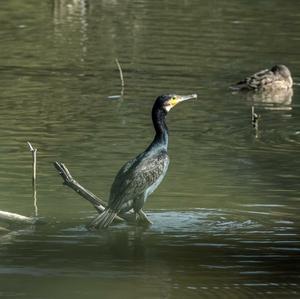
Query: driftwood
16, 218
96, 202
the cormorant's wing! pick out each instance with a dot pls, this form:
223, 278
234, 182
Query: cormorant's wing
136, 176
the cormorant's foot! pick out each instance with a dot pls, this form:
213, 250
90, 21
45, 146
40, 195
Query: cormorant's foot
91, 226
143, 219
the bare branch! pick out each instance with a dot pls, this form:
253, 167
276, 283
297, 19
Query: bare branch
64, 172
97, 203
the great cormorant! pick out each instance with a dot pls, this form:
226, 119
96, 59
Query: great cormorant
139, 177
277, 78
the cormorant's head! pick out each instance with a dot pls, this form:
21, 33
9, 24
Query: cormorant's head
167, 102
281, 70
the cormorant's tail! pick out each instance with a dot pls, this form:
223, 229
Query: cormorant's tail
104, 219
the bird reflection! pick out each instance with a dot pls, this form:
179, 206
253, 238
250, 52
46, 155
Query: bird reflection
126, 243
276, 99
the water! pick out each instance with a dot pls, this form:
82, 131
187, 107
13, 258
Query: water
226, 217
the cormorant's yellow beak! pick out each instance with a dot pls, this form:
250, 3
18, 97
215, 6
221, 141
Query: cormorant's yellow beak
178, 99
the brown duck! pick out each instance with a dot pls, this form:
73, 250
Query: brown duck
277, 78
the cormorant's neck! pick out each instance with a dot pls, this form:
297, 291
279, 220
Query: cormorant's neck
159, 122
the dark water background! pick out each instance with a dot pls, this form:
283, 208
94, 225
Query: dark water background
226, 217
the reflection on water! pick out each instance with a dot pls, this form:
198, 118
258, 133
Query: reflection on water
69, 11
70, 23
226, 221
257, 251
272, 99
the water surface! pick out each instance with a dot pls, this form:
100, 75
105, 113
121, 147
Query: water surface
226, 217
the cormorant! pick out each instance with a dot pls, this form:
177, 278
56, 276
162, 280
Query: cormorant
277, 78
139, 177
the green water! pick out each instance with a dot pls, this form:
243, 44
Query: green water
226, 217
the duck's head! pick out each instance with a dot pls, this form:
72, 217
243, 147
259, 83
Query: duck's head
282, 70
167, 102
284, 75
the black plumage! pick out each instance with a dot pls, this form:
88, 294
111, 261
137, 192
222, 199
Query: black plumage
139, 177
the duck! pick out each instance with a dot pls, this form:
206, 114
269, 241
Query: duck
276, 78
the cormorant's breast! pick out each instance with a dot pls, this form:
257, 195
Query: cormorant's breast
139, 177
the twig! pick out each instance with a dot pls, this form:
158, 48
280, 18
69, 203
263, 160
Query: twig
17, 218
97, 203
33, 152
119, 96
121, 73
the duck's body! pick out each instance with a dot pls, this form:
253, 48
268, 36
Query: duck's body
139, 177
277, 78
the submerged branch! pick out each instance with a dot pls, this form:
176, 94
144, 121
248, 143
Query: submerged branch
254, 118
254, 121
